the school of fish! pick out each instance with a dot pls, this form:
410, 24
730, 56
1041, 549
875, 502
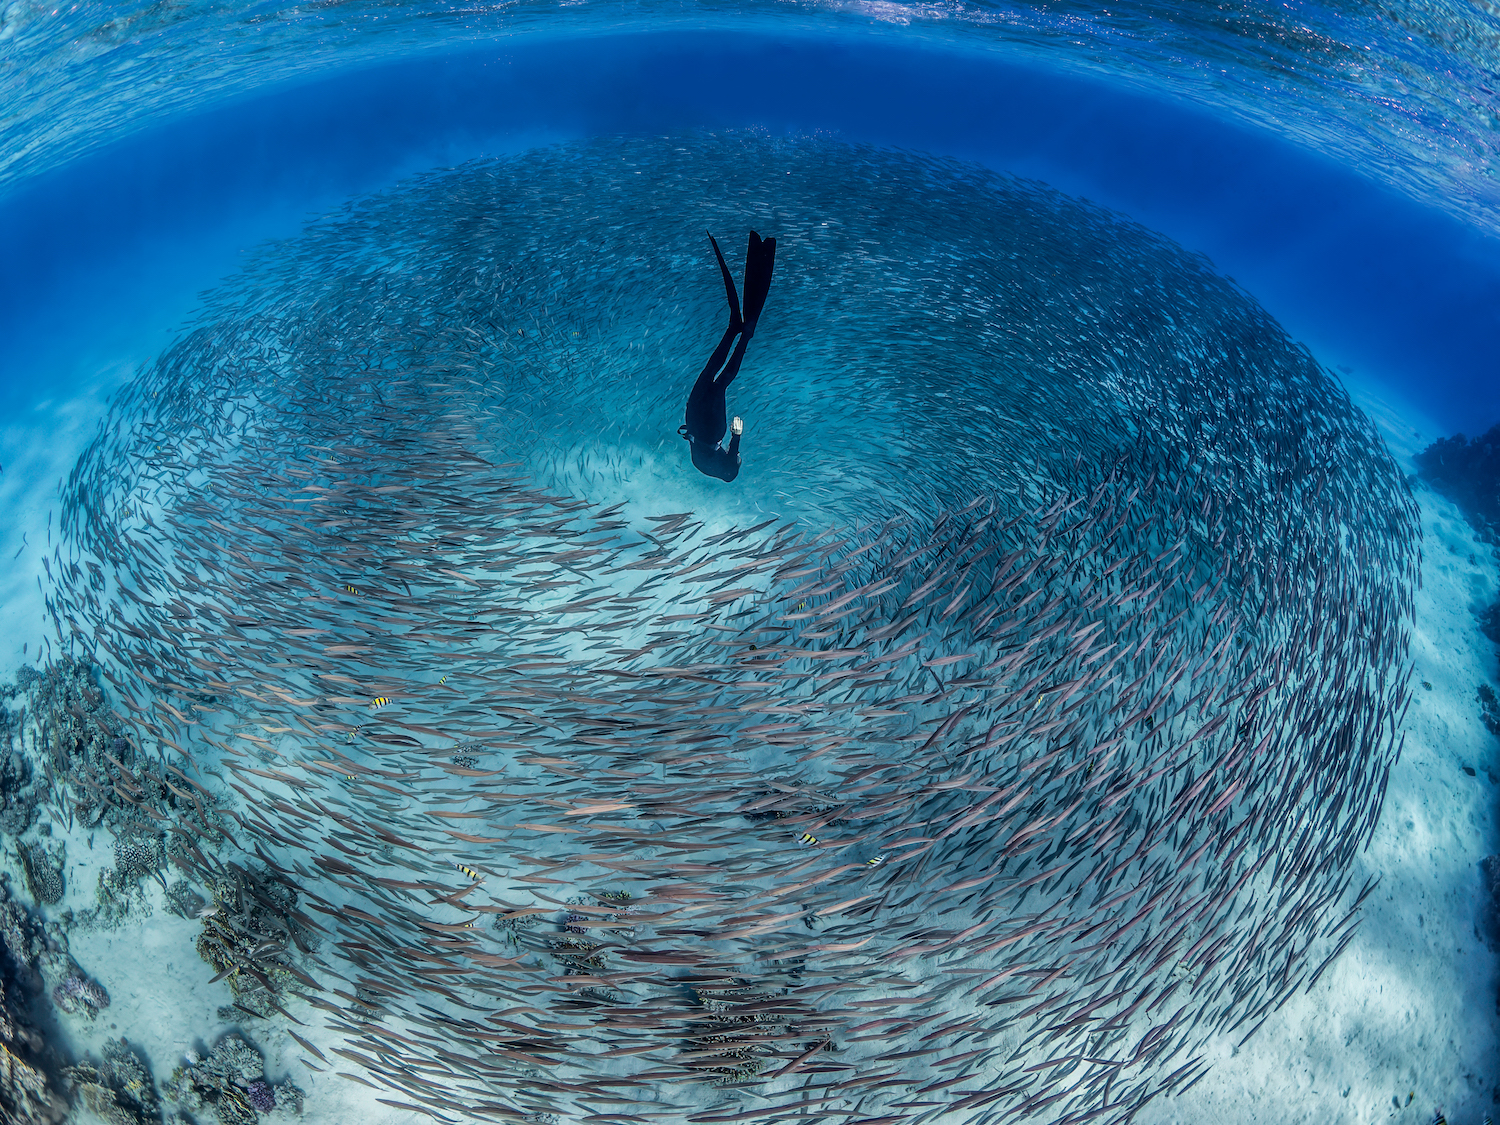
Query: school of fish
1005, 731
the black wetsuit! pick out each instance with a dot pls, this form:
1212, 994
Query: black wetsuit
707, 417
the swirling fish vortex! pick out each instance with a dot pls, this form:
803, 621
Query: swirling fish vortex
1007, 728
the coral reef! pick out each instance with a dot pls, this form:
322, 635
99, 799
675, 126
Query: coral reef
512, 929
119, 1089
183, 901
42, 864
466, 755
578, 923
138, 852
247, 934
580, 949
1468, 473
289, 1098
18, 796
733, 1044
1489, 911
232, 1082
36, 950
258, 1094
27, 1095
38, 957
73, 729
18, 781
77, 994
1489, 622
1489, 709
84, 746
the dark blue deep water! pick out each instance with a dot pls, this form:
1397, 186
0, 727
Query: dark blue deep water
1386, 284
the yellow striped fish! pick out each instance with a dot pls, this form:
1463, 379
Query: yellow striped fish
808, 838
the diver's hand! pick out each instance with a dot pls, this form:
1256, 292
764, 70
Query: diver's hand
737, 427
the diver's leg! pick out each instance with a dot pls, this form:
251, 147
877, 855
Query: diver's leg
731, 369
705, 404
760, 260
705, 419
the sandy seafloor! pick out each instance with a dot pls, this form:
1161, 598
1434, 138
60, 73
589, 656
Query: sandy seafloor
1403, 1023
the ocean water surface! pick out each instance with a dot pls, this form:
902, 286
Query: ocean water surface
1073, 711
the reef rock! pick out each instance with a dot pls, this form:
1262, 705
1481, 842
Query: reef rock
1468, 473
231, 1082
17, 791
42, 863
78, 995
27, 1096
119, 1089
1489, 709
250, 934
1489, 868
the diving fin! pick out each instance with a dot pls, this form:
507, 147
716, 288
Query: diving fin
735, 320
760, 261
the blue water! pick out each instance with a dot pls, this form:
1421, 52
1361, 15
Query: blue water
1335, 163
1371, 279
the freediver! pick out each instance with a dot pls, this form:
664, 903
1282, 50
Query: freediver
704, 427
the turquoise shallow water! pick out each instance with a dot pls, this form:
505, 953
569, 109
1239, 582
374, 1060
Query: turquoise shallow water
316, 609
